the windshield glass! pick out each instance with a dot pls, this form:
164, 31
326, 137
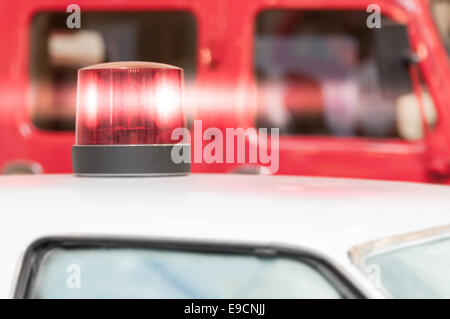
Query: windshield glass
320, 73
56, 53
143, 273
441, 15
419, 271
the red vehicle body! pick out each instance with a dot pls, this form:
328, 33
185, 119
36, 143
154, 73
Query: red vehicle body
225, 35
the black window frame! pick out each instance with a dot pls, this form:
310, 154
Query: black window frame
36, 251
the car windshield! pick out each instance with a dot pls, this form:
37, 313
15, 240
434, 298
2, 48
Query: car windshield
144, 273
418, 271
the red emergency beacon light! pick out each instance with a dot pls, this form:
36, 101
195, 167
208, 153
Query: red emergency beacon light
126, 113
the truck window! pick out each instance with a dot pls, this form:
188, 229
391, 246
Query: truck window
441, 14
93, 269
56, 52
317, 74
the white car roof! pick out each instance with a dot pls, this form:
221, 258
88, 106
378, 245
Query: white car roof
328, 216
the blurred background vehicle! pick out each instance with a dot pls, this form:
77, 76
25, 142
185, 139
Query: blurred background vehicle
349, 100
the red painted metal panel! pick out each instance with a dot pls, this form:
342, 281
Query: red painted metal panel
224, 69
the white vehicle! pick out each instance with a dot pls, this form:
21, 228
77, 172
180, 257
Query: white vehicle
215, 236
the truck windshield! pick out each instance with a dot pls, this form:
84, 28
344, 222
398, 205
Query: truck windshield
318, 73
419, 271
144, 273
57, 52
441, 15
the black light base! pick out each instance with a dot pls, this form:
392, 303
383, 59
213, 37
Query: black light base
129, 160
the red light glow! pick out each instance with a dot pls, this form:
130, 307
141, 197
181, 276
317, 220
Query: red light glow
128, 103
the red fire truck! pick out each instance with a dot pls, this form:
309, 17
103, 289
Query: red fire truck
351, 98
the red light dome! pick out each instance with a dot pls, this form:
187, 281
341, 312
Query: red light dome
126, 113
128, 103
